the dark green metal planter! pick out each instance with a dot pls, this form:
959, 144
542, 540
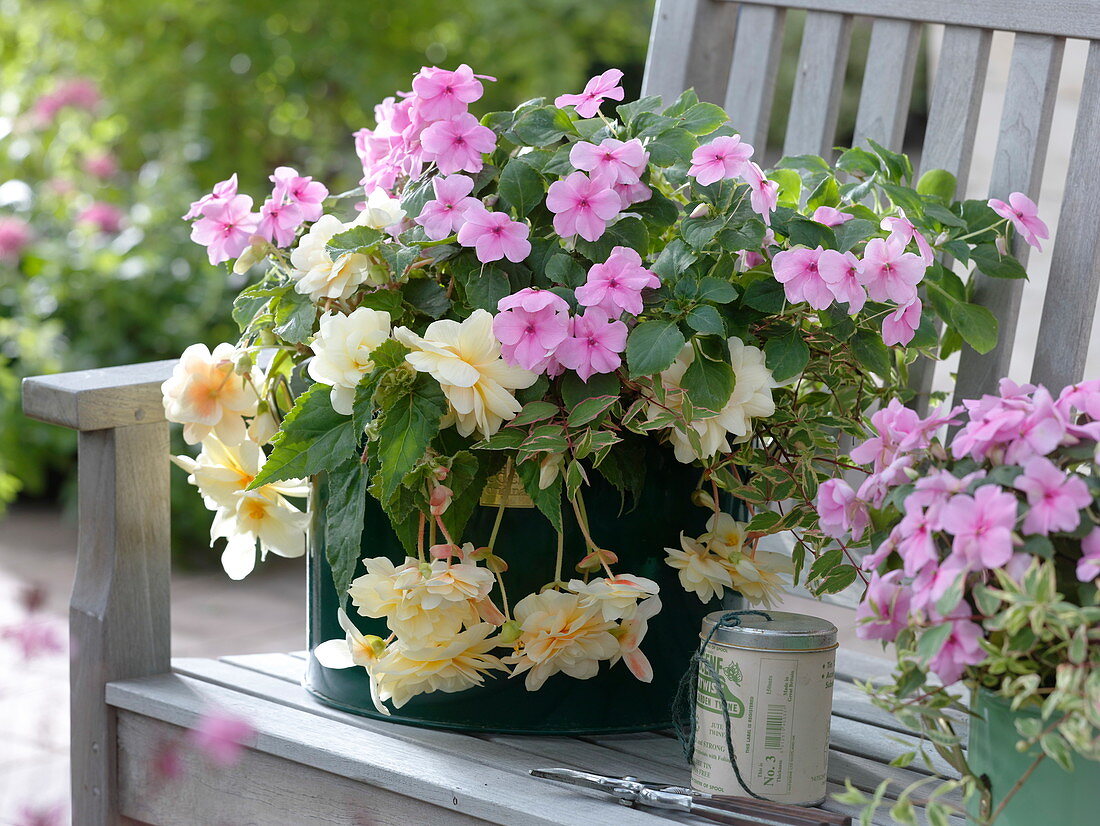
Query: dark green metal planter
1051, 795
613, 701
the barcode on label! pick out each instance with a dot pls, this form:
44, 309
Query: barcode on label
775, 724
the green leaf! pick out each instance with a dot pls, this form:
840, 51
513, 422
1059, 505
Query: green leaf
407, 428
313, 438
542, 126
995, 265
484, 284
252, 300
787, 356
811, 163
673, 260
939, 183
932, 640
521, 186
765, 295
626, 232
859, 162
574, 390
466, 480
589, 410
703, 118
853, 232
687, 99
826, 562
388, 301
627, 112
706, 319
535, 412
344, 510
716, 290
976, 325
802, 230
699, 232
566, 270
652, 346
790, 186
708, 383
427, 296
672, 147
826, 193
896, 164
353, 240
547, 500
507, 438
837, 580
294, 317
870, 351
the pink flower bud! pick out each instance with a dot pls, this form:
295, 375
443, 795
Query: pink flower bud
440, 500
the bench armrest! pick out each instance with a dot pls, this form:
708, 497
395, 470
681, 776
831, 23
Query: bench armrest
119, 623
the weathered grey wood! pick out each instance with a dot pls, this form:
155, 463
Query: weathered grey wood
815, 101
99, 399
751, 87
436, 779
1017, 167
887, 82
1070, 304
260, 789
949, 137
119, 623
690, 46
1067, 18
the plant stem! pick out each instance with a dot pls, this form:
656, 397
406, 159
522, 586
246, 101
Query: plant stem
1017, 786
558, 561
420, 537
506, 486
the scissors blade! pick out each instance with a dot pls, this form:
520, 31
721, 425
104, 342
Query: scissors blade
586, 780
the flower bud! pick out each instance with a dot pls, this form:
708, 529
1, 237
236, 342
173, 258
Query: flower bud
440, 500
702, 499
440, 473
256, 252
263, 427
941, 239
1002, 245
487, 610
509, 632
444, 550
701, 211
495, 564
549, 469
596, 560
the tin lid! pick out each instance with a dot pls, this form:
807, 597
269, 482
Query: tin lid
785, 631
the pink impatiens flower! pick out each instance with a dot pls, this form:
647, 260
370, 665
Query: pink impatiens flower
456, 145
594, 344
1024, 215
890, 273
600, 88
529, 326
622, 162
797, 270
892, 424
884, 609
279, 219
494, 235
632, 193
616, 285
15, 234
982, 525
830, 216
901, 325
447, 213
962, 648
225, 228
442, 94
724, 157
304, 192
582, 205
223, 191
840, 272
1088, 566
1055, 498
764, 197
839, 511
903, 230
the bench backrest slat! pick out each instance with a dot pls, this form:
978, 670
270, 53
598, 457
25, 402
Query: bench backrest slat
753, 70
888, 82
815, 101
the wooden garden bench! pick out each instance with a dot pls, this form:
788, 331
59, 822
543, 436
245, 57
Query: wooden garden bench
311, 764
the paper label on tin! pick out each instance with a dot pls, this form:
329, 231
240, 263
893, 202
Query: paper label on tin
505, 488
779, 705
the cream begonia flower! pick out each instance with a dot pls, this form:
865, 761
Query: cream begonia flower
701, 572
259, 518
631, 633
751, 397
615, 597
398, 593
356, 649
560, 634
221, 472
380, 211
342, 352
441, 664
725, 535
757, 577
465, 360
315, 272
460, 582
206, 395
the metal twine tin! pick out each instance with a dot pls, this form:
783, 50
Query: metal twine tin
775, 671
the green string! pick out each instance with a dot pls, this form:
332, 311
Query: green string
684, 703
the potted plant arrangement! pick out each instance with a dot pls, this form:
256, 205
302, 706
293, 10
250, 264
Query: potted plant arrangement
985, 575
546, 371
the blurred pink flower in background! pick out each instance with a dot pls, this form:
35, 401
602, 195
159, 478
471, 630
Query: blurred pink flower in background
221, 736
102, 165
35, 634
52, 815
101, 216
15, 234
77, 93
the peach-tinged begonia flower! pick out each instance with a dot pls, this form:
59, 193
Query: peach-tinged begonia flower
631, 633
560, 634
448, 664
343, 348
222, 472
616, 597
701, 572
751, 398
465, 359
206, 395
316, 273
